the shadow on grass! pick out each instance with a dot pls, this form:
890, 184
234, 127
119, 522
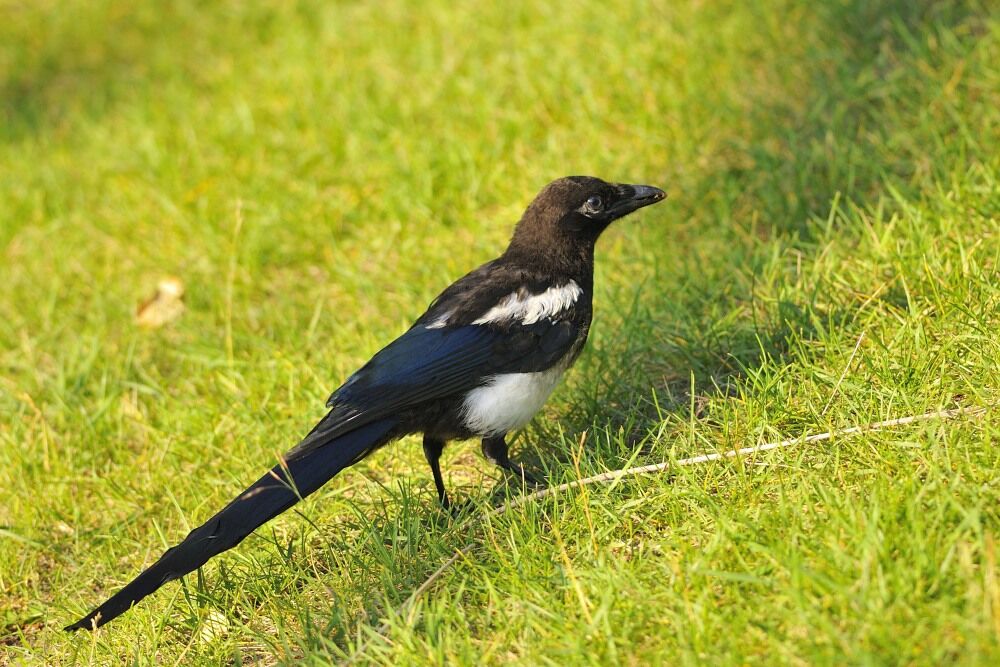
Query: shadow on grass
644, 369
64, 58
793, 176
830, 138
837, 142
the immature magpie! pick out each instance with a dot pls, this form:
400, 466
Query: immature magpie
479, 363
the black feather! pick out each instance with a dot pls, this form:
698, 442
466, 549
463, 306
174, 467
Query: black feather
420, 381
269, 496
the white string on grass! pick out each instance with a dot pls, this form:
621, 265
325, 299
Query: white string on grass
410, 604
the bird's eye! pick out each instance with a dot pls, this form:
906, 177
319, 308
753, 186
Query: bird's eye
595, 203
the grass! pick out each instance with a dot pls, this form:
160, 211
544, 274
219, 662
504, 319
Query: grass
316, 172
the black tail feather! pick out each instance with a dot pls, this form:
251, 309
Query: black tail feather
266, 498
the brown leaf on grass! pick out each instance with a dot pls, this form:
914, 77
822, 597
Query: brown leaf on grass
164, 306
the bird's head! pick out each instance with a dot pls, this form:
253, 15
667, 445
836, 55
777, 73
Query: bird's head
569, 214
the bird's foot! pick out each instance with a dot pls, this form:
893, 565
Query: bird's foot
456, 509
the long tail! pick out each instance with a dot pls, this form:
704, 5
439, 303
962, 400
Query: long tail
266, 498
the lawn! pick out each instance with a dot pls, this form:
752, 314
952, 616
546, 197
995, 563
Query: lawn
314, 173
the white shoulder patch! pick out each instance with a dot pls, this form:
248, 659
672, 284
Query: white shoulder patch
440, 323
530, 308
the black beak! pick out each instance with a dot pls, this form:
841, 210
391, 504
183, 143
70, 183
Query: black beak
636, 197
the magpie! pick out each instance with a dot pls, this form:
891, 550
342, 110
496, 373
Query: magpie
479, 363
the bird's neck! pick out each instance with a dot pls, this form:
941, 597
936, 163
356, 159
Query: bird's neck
571, 261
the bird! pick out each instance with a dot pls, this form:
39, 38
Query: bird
479, 363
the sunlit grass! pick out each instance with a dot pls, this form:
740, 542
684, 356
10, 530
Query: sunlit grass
316, 174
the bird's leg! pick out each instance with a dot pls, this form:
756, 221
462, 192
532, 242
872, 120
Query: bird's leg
432, 450
495, 450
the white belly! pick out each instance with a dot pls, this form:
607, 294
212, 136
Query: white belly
509, 401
